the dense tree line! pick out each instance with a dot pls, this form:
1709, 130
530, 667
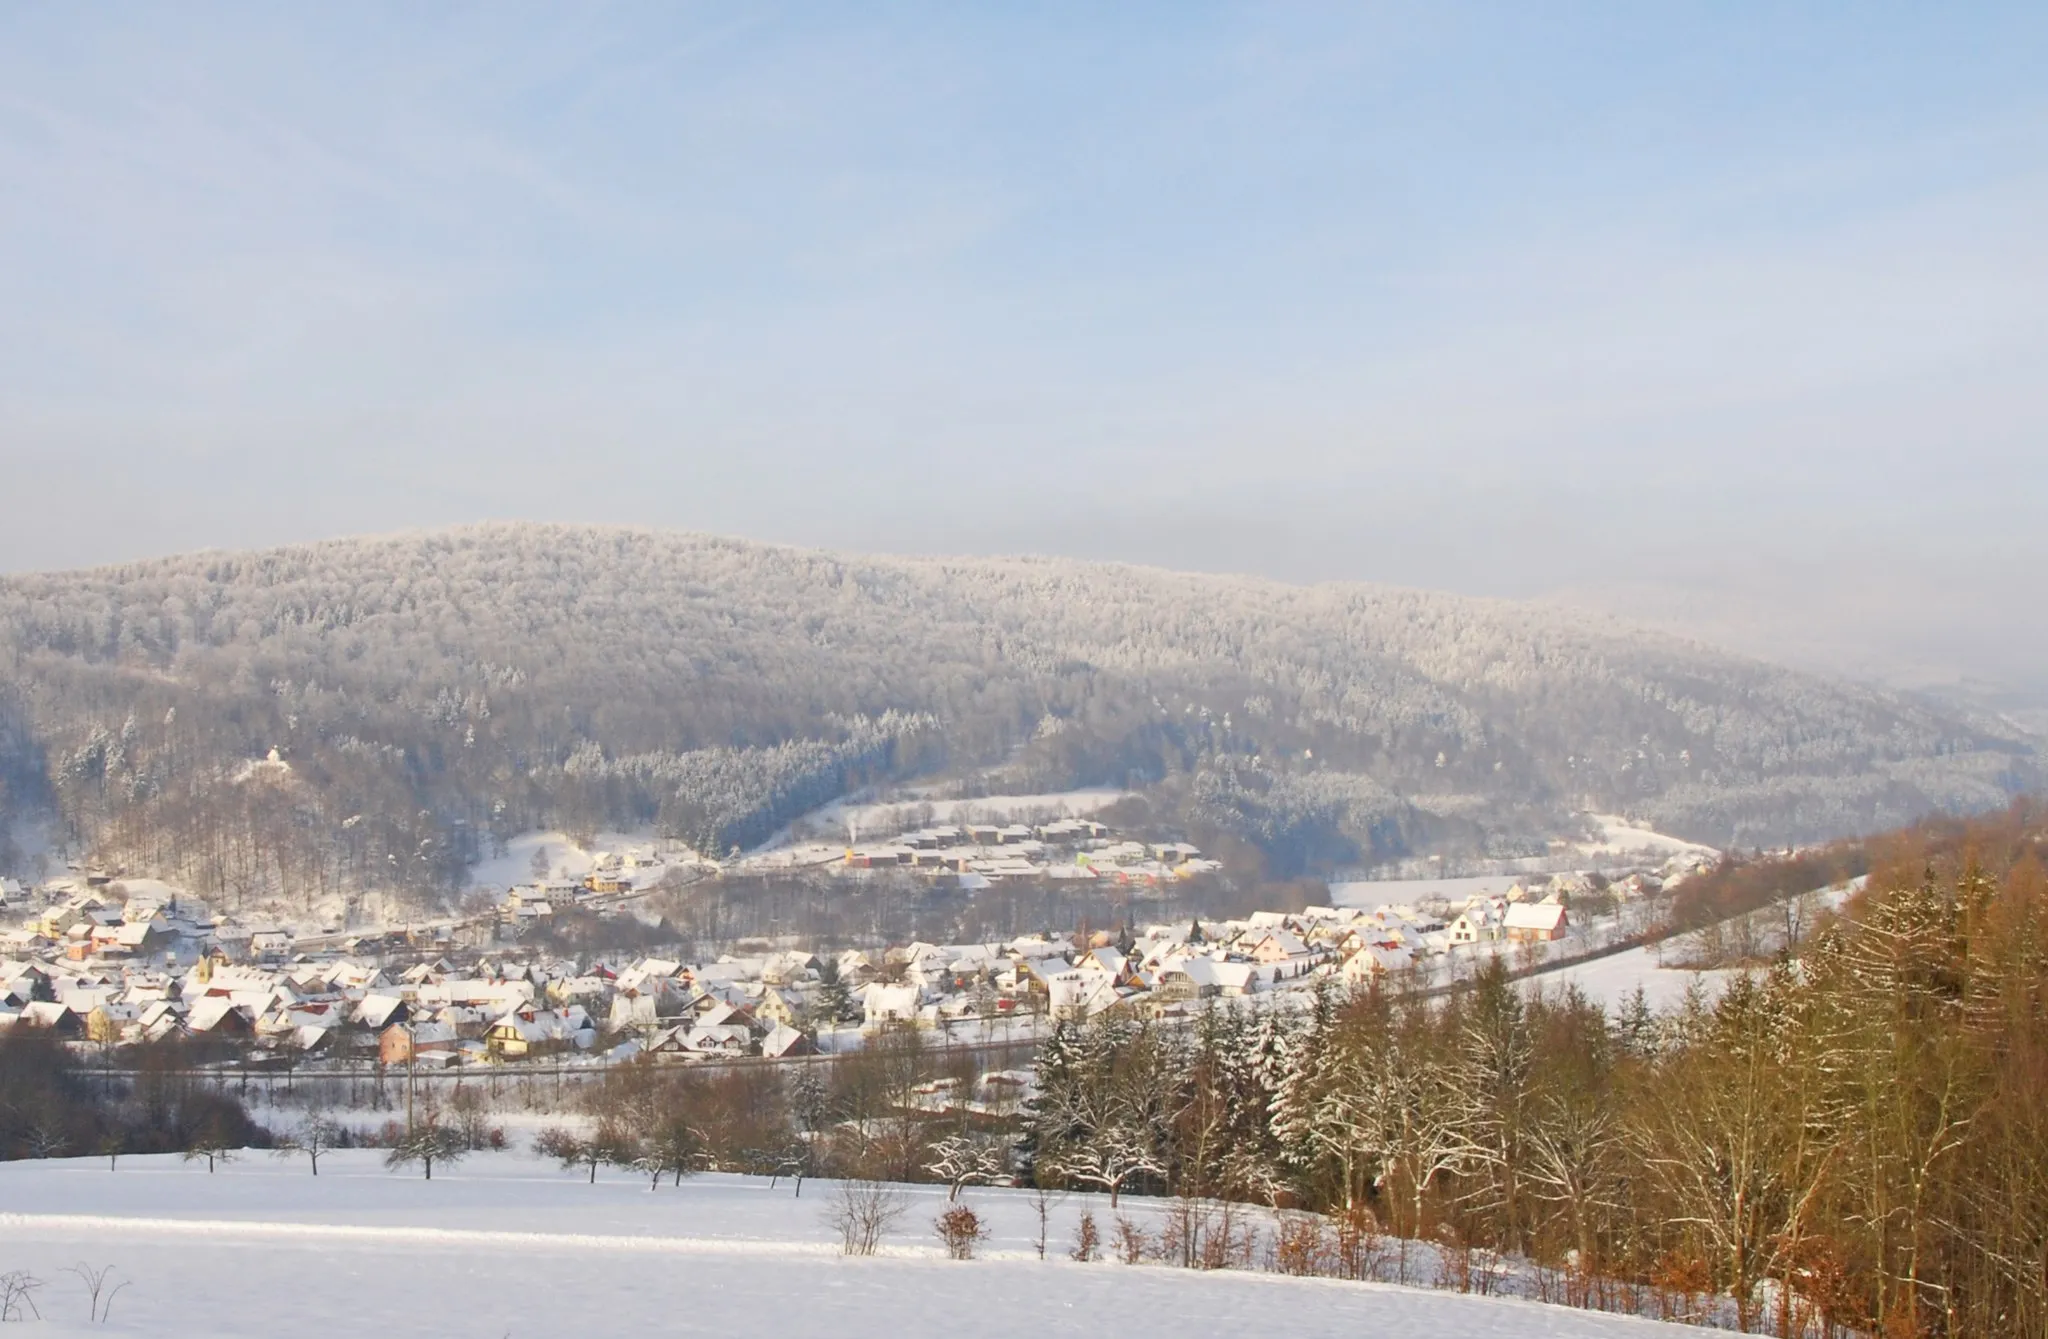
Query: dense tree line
725, 799
1855, 1140
862, 1115
52, 1105
23, 779
1738, 884
431, 695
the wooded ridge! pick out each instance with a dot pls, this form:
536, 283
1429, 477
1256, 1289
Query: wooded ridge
428, 694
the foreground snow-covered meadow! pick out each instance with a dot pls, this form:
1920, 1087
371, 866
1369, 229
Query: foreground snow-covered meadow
503, 1246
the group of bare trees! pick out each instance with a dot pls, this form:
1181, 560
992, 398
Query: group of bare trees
53, 1104
1852, 1142
664, 1124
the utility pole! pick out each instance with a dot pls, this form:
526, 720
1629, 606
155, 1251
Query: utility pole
411, 1069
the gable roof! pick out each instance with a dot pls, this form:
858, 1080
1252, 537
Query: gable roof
1535, 915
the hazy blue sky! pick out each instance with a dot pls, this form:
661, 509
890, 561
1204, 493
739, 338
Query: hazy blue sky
1727, 315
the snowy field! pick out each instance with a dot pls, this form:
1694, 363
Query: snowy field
1619, 837
1620, 844
502, 1246
565, 858
1368, 894
1611, 980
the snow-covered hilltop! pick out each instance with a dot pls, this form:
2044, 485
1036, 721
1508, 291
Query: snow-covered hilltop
429, 694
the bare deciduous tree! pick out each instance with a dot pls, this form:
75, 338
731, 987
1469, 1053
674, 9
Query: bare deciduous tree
967, 1160
862, 1212
212, 1149
427, 1143
318, 1134
1042, 1199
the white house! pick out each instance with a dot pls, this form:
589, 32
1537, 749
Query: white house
891, 1004
1476, 925
1079, 994
1374, 960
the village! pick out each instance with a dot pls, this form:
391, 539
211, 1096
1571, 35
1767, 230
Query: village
966, 857
113, 962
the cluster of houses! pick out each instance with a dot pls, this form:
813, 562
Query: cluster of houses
1076, 849
969, 857
136, 962
437, 1013
612, 874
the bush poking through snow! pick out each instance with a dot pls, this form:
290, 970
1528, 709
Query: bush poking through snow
1130, 1241
1087, 1239
100, 1287
862, 1212
1041, 1205
1300, 1246
960, 1228
17, 1299
469, 1116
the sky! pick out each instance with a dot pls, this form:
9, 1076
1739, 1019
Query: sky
1732, 319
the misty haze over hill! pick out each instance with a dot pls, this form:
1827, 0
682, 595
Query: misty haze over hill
1725, 324
428, 693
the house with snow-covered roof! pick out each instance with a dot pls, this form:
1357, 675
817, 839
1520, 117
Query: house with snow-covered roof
1275, 947
882, 1003
1373, 961
784, 1043
1535, 922
420, 1043
59, 1020
1076, 994
220, 1016
725, 1039
1477, 924
380, 1011
532, 1031
782, 1005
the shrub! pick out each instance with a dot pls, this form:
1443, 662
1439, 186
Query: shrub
960, 1228
1087, 1239
1362, 1249
559, 1144
1300, 1246
1130, 1241
17, 1295
862, 1212
1681, 1282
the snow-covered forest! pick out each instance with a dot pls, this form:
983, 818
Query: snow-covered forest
382, 711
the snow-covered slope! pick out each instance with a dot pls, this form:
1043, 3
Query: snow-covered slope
430, 687
502, 1246
1614, 979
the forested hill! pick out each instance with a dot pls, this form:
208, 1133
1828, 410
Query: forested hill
426, 691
